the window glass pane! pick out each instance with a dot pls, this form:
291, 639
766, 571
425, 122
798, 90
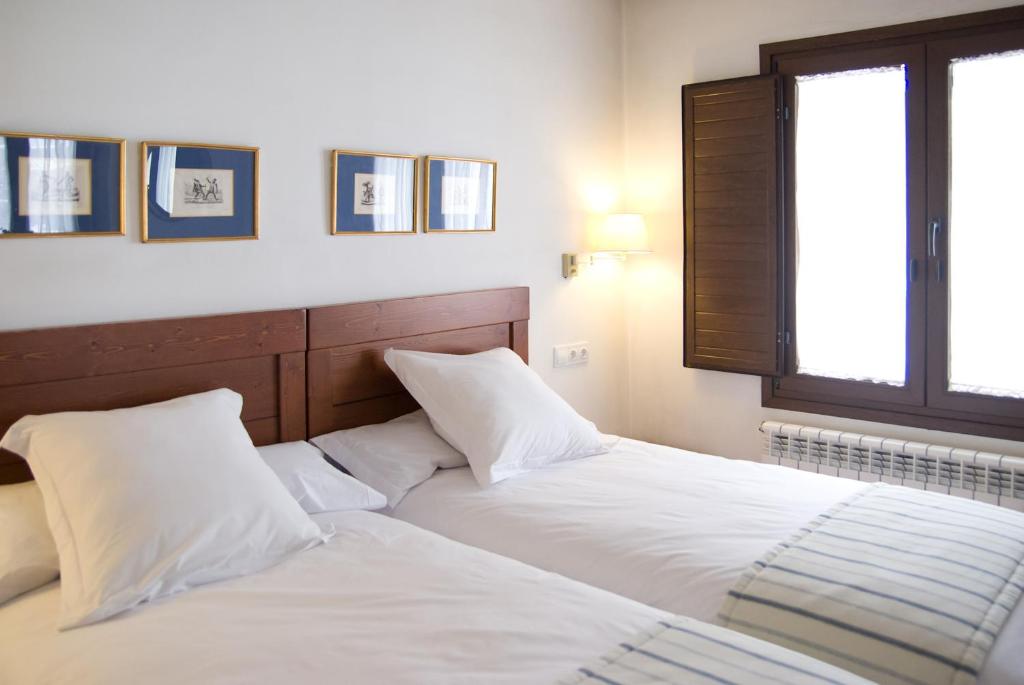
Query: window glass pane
986, 229
851, 225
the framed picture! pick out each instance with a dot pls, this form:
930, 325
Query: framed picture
459, 195
372, 193
192, 191
60, 185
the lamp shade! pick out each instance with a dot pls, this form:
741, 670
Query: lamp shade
622, 233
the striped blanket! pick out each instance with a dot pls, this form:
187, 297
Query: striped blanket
683, 650
895, 584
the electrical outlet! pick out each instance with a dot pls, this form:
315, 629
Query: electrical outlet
572, 354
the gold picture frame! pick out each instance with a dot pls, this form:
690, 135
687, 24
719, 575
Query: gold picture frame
493, 214
144, 174
335, 154
116, 230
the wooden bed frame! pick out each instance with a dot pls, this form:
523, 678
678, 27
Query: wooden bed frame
297, 380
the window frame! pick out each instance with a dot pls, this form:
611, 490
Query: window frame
940, 52
925, 401
913, 390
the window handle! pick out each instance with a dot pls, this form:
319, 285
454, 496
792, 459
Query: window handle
913, 270
934, 229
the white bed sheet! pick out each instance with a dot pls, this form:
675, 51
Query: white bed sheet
669, 528
382, 602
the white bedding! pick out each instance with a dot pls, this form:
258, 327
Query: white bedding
382, 602
666, 527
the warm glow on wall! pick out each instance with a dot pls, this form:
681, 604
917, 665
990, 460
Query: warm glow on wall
621, 234
614, 238
599, 196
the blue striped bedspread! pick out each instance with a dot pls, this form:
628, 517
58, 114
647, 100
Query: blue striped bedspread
684, 650
895, 584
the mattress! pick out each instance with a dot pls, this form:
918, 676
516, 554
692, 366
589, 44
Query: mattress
381, 602
666, 527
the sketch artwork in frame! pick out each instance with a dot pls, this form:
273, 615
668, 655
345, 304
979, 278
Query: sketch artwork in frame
373, 193
460, 195
195, 191
61, 185
203, 192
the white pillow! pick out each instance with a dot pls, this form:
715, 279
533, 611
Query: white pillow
149, 501
28, 553
392, 457
315, 484
494, 409
28, 556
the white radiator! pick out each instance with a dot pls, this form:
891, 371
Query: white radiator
994, 478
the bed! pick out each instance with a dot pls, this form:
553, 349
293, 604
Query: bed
380, 601
353, 610
666, 527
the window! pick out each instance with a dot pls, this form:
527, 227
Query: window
986, 230
898, 237
846, 151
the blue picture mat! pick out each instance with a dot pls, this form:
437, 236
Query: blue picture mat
162, 226
482, 220
106, 189
403, 219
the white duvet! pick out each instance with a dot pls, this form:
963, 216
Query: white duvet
381, 602
666, 527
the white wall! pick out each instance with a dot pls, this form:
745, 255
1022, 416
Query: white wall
669, 43
533, 84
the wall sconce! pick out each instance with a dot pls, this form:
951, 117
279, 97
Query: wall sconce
619, 236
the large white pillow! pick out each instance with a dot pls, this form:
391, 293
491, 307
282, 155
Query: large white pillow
314, 483
494, 409
392, 457
28, 556
28, 553
149, 501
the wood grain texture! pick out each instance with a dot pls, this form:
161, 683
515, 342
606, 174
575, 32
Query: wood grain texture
49, 354
348, 324
291, 396
731, 134
260, 355
349, 384
521, 339
358, 372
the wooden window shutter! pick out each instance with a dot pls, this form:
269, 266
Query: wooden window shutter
731, 143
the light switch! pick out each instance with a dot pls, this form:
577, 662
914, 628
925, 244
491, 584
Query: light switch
572, 354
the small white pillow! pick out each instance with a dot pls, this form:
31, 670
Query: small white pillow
149, 501
392, 457
496, 410
314, 483
28, 556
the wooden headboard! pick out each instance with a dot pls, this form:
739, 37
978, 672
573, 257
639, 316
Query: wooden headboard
335, 374
260, 355
349, 385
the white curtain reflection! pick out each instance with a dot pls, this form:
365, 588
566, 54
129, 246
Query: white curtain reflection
461, 189
164, 189
50, 158
394, 181
986, 232
6, 201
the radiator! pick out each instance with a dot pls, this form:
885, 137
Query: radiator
994, 478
